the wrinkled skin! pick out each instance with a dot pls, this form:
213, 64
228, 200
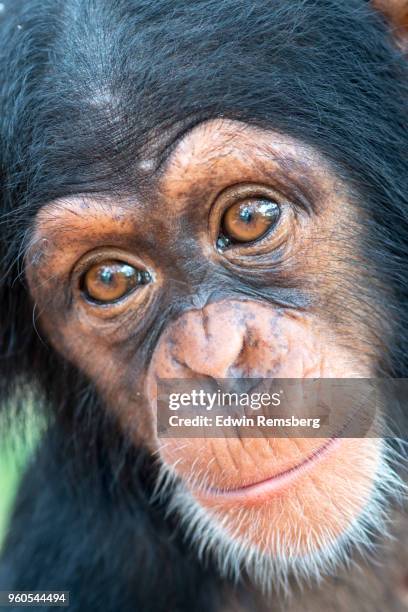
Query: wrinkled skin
103, 158
286, 332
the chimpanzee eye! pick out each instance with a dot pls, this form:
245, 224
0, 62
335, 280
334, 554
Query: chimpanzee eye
248, 220
111, 280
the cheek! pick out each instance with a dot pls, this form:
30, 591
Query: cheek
116, 372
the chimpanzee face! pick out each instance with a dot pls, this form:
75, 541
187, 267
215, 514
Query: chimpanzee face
240, 257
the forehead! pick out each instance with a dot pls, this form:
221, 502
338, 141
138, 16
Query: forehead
210, 157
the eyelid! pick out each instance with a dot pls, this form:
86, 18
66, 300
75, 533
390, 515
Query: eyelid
106, 253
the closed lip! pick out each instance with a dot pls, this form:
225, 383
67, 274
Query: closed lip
258, 491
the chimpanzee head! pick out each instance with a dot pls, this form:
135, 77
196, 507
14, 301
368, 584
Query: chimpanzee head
219, 190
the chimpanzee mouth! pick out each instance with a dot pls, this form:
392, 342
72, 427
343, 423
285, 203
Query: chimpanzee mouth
258, 491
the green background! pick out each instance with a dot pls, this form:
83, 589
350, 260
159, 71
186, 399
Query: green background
17, 442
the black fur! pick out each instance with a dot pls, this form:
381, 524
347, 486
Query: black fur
86, 87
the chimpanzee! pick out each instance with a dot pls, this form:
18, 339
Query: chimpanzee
214, 188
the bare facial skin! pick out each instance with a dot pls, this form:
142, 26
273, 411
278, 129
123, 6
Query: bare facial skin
310, 502
281, 306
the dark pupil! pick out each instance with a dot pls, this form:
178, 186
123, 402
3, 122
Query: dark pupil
245, 215
106, 276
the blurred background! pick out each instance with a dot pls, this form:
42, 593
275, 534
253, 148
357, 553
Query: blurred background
18, 439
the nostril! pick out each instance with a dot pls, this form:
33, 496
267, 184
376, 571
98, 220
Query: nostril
179, 363
206, 324
241, 359
245, 364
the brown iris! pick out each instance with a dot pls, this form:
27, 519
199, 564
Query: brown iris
250, 219
111, 280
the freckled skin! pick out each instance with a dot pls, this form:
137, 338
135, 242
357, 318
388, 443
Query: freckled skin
210, 343
172, 234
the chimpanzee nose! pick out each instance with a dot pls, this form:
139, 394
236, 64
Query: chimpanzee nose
229, 339
204, 342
